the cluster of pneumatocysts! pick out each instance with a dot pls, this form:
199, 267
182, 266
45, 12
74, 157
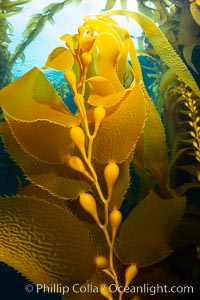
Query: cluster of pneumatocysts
88, 202
78, 134
81, 53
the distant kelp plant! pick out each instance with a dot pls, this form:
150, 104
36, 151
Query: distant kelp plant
7, 9
176, 100
67, 226
32, 29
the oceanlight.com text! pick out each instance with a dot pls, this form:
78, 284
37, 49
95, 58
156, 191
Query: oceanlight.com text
151, 289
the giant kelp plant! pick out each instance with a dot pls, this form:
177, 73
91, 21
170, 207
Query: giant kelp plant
68, 226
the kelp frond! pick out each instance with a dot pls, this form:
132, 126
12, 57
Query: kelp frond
7, 9
166, 52
192, 106
182, 121
189, 119
195, 11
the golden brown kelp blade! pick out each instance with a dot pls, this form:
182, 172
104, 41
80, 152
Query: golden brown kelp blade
145, 233
151, 151
59, 179
34, 191
109, 49
32, 98
162, 47
123, 127
56, 247
60, 59
43, 140
148, 153
195, 12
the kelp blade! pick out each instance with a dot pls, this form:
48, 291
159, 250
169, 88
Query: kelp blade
69, 183
31, 98
44, 242
144, 236
119, 132
42, 139
162, 47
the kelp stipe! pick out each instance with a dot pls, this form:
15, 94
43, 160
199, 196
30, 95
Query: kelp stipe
86, 158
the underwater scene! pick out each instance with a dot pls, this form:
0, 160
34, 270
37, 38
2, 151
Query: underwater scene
100, 149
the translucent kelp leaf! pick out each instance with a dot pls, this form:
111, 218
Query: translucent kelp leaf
44, 242
195, 12
101, 86
167, 78
103, 93
123, 60
145, 234
162, 47
109, 51
119, 132
34, 191
102, 25
110, 4
135, 62
107, 101
86, 43
153, 145
106, 26
59, 179
69, 39
46, 141
32, 98
60, 59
